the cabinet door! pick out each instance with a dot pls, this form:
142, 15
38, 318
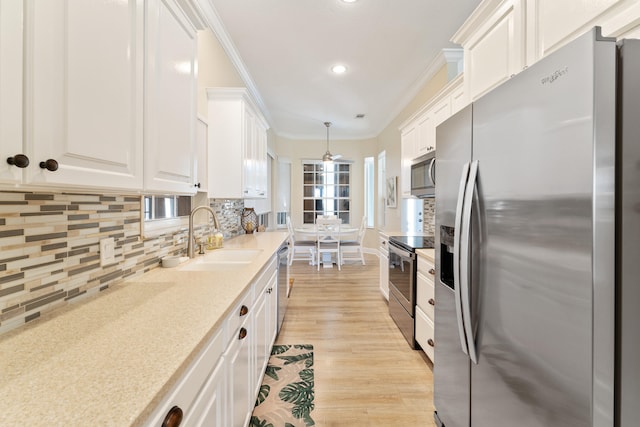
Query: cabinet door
384, 272
407, 146
272, 301
260, 339
497, 50
11, 88
425, 333
210, 408
261, 161
201, 156
170, 99
249, 154
240, 376
458, 99
84, 92
425, 142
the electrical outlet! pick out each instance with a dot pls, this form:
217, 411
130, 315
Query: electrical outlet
107, 251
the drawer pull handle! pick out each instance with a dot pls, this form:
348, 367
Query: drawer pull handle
431, 343
432, 301
242, 334
173, 418
243, 310
432, 272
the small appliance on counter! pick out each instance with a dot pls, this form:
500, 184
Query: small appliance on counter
403, 267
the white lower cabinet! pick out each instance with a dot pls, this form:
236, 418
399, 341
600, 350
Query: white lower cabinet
384, 266
425, 304
425, 333
239, 375
220, 387
186, 394
210, 407
265, 320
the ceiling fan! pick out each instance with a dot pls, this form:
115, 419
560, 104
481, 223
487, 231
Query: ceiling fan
328, 157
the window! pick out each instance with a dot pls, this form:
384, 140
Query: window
326, 191
165, 207
369, 191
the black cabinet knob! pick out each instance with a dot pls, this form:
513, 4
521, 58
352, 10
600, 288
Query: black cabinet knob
431, 343
432, 301
197, 185
242, 334
19, 160
50, 165
244, 310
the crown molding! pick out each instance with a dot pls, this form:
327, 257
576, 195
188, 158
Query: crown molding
481, 13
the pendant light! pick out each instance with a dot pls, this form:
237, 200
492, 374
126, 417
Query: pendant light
327, 157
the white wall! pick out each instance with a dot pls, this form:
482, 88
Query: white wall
297, 151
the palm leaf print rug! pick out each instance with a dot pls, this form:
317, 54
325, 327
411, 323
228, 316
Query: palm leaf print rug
286, 395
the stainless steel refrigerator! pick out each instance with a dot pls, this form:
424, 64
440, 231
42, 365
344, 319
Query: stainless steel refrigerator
537, 234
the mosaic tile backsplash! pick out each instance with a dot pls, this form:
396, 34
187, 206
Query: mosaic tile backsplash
429, 210
49, 247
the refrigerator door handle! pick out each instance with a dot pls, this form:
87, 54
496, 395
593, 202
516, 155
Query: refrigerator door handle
465, 266
456, 256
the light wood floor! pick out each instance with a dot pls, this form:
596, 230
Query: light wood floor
365, 372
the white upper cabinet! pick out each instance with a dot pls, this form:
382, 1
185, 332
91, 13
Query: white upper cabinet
408, 141
418, 133
494, 46
170, 99
201, 154
82, 98
425, 141
237, 149
11, 57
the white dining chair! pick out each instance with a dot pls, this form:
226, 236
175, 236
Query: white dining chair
328, 239
300, 250
351, 250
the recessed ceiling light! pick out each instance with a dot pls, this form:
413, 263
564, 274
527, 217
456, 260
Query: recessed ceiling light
339, 69
349, 1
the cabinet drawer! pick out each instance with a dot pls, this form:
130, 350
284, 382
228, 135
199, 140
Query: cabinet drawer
426, 267
383, 244
239, 314
425, 294
185, 391
425, 333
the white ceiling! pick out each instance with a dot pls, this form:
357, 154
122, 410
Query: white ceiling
285, 50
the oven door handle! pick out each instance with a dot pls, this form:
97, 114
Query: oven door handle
405, 254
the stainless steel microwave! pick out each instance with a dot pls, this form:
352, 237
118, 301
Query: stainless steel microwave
423, 176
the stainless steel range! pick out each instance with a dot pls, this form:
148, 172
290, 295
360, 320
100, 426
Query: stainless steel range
402, 281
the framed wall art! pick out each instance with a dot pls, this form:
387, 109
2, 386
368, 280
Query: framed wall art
392, 192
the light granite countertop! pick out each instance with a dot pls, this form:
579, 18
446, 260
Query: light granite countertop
109, 360
430, 254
